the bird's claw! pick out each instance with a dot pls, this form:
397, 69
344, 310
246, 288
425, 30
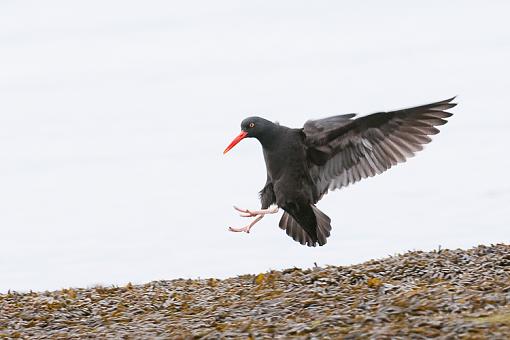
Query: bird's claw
240, 230
248, 227
245, 212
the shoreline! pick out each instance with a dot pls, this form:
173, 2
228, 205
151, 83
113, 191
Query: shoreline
417, 294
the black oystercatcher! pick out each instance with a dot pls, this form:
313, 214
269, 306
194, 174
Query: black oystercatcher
331, 153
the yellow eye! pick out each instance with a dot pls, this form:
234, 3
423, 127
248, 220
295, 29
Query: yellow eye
251, 125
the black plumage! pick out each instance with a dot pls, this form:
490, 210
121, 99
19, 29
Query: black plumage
331, 153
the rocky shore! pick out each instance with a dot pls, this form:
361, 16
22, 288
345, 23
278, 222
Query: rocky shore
419, 295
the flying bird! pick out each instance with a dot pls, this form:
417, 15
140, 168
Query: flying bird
331, 153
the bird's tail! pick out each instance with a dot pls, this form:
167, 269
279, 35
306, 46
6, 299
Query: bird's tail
313, 226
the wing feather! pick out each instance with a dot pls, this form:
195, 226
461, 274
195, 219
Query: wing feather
355, 148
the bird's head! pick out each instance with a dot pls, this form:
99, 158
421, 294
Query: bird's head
252, 127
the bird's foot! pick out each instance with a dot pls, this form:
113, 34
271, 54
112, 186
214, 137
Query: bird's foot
248, 227
239, 230
253, 213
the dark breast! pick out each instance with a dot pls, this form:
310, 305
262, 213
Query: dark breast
288, 168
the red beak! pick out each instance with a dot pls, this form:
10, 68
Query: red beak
236, 140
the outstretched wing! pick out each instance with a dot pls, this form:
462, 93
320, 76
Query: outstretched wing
344, 150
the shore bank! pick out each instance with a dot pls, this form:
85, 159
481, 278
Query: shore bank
447, 293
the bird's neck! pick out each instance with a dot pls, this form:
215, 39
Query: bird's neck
271, 139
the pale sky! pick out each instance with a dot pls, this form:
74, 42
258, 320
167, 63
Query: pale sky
114, 116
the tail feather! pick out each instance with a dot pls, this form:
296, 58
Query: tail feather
308, 235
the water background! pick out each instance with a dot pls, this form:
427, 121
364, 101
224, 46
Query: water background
114, 116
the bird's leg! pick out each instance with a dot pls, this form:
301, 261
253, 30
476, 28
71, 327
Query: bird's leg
258, 214
253, 213
247, 228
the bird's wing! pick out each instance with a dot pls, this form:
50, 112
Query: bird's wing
345, 150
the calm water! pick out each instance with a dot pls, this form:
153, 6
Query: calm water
114, 116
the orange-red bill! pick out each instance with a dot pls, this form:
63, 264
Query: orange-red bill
235, 141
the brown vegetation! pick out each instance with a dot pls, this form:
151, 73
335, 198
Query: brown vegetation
447, 294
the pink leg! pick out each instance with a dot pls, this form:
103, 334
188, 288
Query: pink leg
253, 213
246, 228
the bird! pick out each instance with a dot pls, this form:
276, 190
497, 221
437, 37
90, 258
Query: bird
303, 164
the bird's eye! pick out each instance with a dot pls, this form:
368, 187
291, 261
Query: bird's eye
252, 124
